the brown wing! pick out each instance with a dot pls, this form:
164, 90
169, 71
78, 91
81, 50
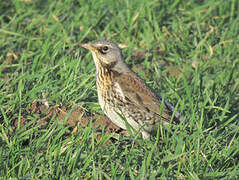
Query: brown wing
137, 92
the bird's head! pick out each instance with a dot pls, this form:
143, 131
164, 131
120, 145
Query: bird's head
106, 54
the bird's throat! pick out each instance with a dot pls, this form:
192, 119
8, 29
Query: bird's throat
106, 77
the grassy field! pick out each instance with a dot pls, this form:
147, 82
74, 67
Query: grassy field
186, 50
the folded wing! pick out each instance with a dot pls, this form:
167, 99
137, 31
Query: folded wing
140, 94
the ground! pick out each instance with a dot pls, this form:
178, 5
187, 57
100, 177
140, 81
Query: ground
51, 124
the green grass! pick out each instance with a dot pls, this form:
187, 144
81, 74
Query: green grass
45, 37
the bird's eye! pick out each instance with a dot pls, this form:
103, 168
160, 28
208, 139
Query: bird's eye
104, 49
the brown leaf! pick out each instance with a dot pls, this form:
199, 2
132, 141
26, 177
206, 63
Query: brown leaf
11, 58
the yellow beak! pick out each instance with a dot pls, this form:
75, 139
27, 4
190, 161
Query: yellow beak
89, 46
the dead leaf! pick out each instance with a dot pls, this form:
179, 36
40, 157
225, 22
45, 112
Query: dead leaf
194, 64
122, 46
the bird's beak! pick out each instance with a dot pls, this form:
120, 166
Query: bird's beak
89, 47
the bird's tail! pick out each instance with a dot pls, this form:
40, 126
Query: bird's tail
177, 116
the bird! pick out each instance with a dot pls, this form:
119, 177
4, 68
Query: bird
123, 96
